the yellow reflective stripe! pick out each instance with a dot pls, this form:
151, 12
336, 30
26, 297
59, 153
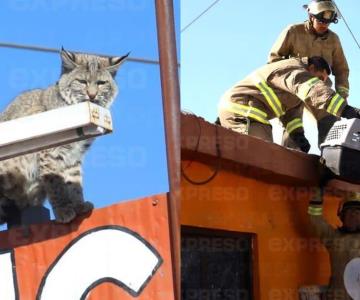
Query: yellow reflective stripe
294, 124
315, 211
335, 104
270, 97
344, 89
246, 111
306, 86
232, 105
340, 102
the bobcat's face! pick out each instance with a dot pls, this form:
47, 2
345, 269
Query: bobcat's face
88, 78
83, 85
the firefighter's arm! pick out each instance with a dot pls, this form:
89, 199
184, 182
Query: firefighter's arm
281, 48
315, 93
320, 227
293, 124
327, 101
341, 71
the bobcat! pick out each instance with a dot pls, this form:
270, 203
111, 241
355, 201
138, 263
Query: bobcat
55, 173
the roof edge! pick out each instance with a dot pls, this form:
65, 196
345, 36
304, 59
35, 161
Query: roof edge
250, 156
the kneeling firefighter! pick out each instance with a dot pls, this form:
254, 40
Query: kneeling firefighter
279, 90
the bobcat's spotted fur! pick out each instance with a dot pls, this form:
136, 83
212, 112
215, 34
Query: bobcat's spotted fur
55, 173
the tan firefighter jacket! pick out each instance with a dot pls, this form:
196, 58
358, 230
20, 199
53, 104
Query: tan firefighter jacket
278, 90
342, 248
299, 41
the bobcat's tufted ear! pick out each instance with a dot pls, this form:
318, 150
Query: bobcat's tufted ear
115, 62
68, 61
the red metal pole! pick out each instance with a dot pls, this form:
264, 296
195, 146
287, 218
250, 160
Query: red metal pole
171, 108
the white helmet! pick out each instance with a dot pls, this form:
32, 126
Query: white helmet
323, 10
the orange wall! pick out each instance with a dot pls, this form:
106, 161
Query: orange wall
287, 256
39, 250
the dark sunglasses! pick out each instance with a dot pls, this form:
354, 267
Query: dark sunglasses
323, 21
326, 17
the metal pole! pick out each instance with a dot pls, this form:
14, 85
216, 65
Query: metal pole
171, 108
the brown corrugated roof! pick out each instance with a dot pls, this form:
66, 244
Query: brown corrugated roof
251, 156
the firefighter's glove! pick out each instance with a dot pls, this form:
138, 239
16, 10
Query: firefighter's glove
301, 141
350, 112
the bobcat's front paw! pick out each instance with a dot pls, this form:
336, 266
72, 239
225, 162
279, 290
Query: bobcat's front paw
64, 214
84, 207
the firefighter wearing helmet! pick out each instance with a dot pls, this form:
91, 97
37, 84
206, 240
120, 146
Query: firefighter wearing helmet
342, 243
314, 38
324, 11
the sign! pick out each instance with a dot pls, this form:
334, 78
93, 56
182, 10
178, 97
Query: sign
119, 252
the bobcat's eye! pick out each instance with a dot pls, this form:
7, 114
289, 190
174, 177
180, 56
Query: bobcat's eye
82, 81
100, 82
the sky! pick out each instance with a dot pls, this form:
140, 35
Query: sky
131, 162
234, 38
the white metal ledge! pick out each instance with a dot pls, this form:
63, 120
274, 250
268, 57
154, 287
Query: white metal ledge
53, 128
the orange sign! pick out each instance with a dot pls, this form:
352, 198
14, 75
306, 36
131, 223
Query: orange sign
119, 252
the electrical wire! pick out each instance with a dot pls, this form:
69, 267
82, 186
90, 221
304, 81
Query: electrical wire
199, 16
54, 50
346, 24
218, 154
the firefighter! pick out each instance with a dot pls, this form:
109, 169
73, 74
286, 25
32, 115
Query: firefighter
278, 90
343, 243
314, 38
